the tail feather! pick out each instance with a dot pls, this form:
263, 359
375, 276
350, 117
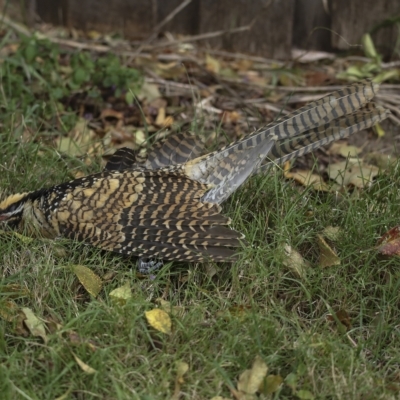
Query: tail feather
230, 167
340, 128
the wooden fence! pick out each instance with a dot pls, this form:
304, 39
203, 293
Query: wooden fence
276, 25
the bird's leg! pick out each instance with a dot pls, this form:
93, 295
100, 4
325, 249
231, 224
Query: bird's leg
146, 266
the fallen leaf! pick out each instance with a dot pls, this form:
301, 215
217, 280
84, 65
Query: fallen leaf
89, 280
291, 381
160, 117
181, 369
159, 320
332, 233
84, 367
389, 243
341, 317
344, 149
271, 384
294, 261
14, 290
8, 310
22, 238
170, 309
121, 295
251, 379
307, 178
212, 64
304, 395
328, 256
352, 172
149, 91
349, 151
219, 398
34, 324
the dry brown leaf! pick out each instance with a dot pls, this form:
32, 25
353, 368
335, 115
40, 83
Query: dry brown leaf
84, 367
251, 379
294, 261
89, 280
327, 256
111, 113
389, 243
307, 178
160, 117
352, 172
342, 317
34, 324
121, 295
14, 290
159, 320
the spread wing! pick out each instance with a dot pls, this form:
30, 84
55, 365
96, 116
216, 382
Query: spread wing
144, 212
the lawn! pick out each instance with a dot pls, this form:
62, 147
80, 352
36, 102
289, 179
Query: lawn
327, 332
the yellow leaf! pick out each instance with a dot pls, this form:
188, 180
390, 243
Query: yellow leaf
307, 178
352, 172
379, 130
294, 261
34, 324
121, 295
181, 369
212, 64
271, 384
328, 256
90, 281
22, 238
251, 379
172, 310
332, 233
159, 320
84, 367
8, 310
349, 151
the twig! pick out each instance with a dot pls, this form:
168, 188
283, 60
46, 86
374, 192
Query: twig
157, 28
202, 36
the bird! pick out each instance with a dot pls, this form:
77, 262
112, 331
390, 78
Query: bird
168, 206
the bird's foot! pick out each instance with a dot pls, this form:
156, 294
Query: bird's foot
147, 266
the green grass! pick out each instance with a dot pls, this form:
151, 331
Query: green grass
256, 306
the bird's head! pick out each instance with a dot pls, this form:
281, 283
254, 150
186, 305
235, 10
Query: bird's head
12, 209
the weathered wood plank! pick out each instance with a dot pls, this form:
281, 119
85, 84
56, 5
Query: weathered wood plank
271, 32
309, 17
351, 19
186, 22
133, 19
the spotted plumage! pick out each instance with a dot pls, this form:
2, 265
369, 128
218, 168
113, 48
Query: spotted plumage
168, 205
